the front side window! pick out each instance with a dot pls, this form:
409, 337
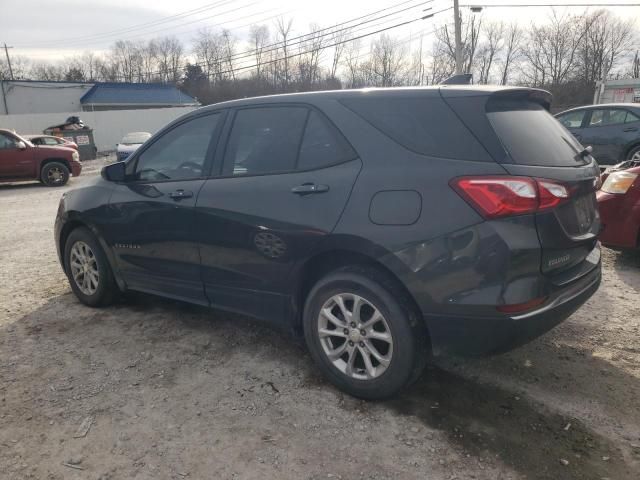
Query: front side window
6, 142
631, 118
51, 141
179, 154
264, 140
572, 119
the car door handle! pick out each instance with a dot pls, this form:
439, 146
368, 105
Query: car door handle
309, 188
180, 194
630, 129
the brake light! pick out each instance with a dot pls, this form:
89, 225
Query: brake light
503, 196
521, 307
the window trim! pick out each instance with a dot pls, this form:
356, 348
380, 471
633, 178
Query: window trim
214, 142
224, 140
588, 122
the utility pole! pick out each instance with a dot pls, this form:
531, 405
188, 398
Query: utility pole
458, 35
6, 52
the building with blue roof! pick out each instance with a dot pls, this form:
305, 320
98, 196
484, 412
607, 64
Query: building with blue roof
30, 96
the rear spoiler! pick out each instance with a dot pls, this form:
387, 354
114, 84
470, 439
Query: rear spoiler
535, 95
459, 79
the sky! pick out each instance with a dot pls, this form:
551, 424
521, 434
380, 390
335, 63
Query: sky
50, 30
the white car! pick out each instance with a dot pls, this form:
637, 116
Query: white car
130, 143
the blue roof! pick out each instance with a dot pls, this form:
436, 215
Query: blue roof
136, 93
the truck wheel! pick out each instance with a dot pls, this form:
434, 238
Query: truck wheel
54, 174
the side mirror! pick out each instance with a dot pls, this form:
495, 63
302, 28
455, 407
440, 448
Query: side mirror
116, 172
20, 145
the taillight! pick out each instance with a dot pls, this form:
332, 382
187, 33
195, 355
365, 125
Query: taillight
503, 196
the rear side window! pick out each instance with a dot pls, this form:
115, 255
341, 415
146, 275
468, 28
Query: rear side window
322, 145
264, 140
424, 125
531, 135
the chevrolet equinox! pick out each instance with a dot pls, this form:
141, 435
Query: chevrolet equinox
382, 225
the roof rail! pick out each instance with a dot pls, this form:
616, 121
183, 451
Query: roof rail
459, 79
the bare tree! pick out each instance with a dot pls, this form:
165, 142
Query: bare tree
489, 49
339, 39
388, 63
470, 36
513, 50
258, 38
283, 30
351, 62
170, 55
635, 66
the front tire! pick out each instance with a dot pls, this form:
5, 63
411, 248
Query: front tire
54, 174
634, 154
363, 334
88, 269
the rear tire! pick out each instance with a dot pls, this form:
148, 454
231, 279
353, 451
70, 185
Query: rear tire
358, 312
88, 269
54, 174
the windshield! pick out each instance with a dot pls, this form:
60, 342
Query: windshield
532, 136
136, 138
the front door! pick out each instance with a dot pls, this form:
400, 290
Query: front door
151, 215
14, 162
285, 179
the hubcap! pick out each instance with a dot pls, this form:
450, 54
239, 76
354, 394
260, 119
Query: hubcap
55, 175
84, 268
636, 156
355, 336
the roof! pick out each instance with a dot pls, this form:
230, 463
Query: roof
136, 94
602, 105
437, 90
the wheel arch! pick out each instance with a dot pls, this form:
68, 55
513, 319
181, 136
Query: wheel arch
635, 144
326, 261
48, 160
75, 222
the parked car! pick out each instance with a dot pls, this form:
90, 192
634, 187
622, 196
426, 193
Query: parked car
618, 167
383, 225
619, 204
130, 143
21, 160
51, 141
613, 130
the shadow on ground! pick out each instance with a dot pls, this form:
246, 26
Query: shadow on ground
482, 420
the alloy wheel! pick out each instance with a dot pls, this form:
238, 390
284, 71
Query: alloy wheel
355, 336
55, 175
84, 268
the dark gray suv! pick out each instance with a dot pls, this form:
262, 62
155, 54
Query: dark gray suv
383, 225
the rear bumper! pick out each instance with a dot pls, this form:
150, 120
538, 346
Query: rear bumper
471, 336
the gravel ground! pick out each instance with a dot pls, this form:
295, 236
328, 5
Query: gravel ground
156, 389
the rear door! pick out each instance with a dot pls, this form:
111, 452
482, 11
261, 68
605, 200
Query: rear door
604, 131
285, 176
526, 140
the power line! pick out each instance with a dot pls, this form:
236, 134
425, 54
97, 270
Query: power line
299, 54
533, 5
119, 31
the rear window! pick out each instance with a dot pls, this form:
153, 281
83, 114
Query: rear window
531, 135
423, 125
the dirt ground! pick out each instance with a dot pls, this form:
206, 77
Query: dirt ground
155, 389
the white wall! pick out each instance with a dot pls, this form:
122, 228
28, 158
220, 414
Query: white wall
41, 97
108, 127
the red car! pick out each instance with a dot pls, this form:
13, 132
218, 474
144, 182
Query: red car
21, 160
51, 141
619, 204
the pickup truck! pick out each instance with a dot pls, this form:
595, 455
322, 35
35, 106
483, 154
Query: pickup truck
21, 160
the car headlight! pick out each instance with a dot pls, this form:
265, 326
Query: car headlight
619, 182
75, 156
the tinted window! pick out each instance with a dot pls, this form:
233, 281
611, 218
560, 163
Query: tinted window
322, 145
572, 119
6, 142
264, 140
631, 118
423, 125
531, 135
607, 117
180, 153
